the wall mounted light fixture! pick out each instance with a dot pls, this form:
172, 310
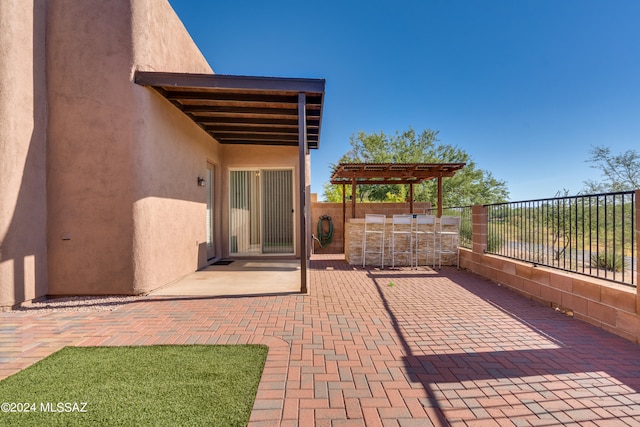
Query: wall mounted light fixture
200, 181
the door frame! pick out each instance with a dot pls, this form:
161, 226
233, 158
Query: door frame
293, 213
212, 226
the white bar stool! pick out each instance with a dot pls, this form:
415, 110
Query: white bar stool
425, 231
449, 236
402, 229
374, 226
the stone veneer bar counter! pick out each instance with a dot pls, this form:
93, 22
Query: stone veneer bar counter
354, 230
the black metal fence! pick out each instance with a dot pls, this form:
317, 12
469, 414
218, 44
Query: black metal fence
466, 229
590, 234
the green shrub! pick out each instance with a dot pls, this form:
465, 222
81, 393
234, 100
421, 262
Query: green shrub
466, 235
609, 262
494, 242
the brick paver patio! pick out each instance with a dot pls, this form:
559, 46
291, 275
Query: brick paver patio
379, 348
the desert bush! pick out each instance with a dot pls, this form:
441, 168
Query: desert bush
494, 242
608, 262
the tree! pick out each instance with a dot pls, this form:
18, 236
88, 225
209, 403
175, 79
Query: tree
621, 172
469, 186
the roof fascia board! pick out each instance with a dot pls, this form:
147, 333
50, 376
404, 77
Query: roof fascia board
225, 81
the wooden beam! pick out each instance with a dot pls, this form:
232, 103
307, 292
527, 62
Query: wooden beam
379, 181
439, 197
222, 81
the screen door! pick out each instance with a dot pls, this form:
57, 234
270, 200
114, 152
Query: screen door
261, 217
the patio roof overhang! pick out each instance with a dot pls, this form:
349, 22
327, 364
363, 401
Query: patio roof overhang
391, 173
243, 109
252, 110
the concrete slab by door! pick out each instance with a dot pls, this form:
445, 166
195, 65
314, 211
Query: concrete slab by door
241, 277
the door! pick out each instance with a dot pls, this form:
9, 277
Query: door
211, 242
277, 212
261, 212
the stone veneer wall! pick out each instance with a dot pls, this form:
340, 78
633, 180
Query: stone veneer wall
354, 246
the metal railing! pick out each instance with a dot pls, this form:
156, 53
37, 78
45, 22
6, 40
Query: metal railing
466, 229
590, 234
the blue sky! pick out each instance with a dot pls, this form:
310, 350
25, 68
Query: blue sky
526, 87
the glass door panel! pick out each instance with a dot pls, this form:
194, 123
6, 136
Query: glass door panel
261, 216
245, 212
277, 212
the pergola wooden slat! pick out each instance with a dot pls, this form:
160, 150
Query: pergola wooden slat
391, 173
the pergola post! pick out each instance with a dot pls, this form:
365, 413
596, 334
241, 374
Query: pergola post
344, 212
353, 198
440, 196
304, 191
411, 197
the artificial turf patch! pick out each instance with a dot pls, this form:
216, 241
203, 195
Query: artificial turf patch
195, 385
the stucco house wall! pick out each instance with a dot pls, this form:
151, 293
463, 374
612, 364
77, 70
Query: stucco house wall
170, 153
89, 158
130, 203
23, 212
99, 174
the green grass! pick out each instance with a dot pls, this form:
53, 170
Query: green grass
143, 386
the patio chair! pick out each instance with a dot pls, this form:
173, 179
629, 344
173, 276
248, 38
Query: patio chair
373, 232
402, 231
425, 232
449, 238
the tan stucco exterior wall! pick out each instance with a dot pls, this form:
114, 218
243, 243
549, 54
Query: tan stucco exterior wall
90, 162
125, 161
170, 152
112, 205
161, 42
169, 210
23, 249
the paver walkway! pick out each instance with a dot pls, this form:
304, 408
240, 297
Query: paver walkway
380, 348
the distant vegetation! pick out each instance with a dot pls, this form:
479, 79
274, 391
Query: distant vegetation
620, 172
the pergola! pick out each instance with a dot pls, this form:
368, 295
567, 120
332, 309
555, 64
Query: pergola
252, 110
391, 173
